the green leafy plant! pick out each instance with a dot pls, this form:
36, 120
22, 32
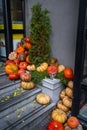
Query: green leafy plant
38, 76
40, 29
62, 78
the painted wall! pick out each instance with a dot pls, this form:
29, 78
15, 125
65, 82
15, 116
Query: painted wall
64, 19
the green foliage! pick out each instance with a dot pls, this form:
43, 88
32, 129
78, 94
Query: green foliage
40, 27
62, 78
38, 76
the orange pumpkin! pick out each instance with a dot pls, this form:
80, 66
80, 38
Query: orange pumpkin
13, 76
20, 71
72, 122
27, 39
68, 73
28, 60
27, 45
20, 50
9, 62
11, 68
23, 65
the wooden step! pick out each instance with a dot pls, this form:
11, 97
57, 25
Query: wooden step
5, 82
18, 108
15, 98
28, 116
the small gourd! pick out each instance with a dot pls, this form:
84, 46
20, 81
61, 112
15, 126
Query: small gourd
62, 94
67, 101
73, 122
43, 98
70, 84
61, 106
69, 92
42, 67
20, 49
25, 76
61, 68
66, 127
12, 55
59, 115
31, 67
22, 56
53, 61
52, 69
27, 85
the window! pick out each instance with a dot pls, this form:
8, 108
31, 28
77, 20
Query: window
12, 25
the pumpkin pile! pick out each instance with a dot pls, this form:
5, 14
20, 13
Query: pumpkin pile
64, 104
26, 82
18, 59
72, 123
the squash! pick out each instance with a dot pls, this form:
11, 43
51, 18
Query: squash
68, 73
69, 92
53, 61
55, 125
28, 60
11, 68
20, 49
70, 84
23, 65
9, 62
27, 85
42, 67
43, 98
62, 107
26, 39
22, 56
59, 115
67, 101
73, 122
13, 76
61, 68
12, 55
20, 71
31, 67
66, 127
25, 76
27, 45
62, 94
52, 69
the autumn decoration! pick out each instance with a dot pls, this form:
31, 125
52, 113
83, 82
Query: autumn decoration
55, 125
43, 98
73, 122
59, 115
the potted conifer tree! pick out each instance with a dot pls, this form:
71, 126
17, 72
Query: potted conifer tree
40, 29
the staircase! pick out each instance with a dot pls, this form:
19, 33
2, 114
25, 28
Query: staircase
19, 109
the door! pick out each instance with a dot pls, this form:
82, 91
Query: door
79, 106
